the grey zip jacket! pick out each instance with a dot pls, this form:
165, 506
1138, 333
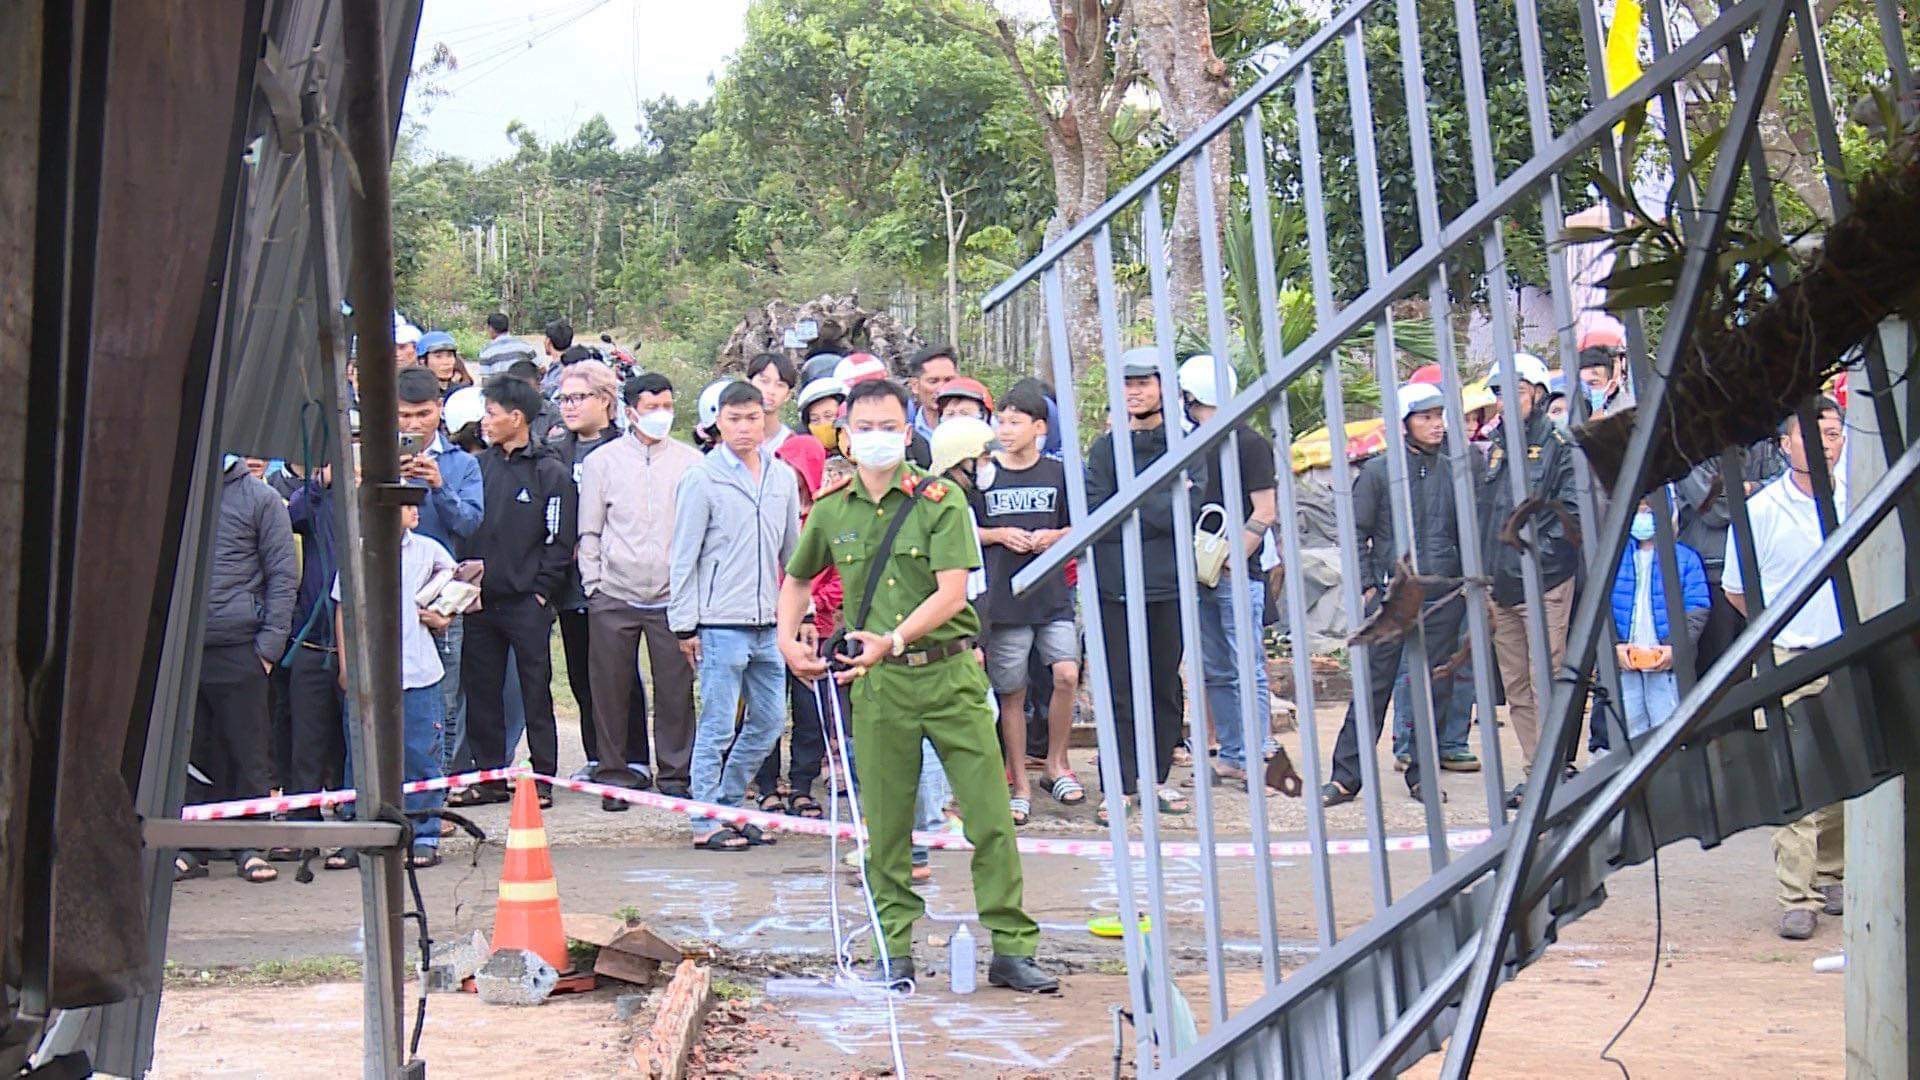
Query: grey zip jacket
732, 534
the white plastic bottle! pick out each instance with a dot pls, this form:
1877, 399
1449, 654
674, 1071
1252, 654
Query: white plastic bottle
960, 961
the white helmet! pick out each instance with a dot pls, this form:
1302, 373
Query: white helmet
818, 389
709, 409
1527, 367
1197, 381
464, 406
959, 439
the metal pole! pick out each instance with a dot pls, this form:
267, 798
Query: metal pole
376, 685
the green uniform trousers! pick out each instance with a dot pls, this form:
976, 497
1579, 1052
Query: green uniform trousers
894, 706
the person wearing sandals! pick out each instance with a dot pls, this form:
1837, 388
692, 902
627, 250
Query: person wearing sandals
1219, 633
422, 707
736, 519
808, 743
905, 544
249, 618
1023, 512
1436, 543
1165, 710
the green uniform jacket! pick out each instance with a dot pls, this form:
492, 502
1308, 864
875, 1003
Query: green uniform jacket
846, 527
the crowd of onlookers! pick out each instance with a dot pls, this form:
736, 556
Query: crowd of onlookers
557, 492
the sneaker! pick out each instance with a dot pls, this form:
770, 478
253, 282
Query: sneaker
1459, 761
1797, 924
1836, 904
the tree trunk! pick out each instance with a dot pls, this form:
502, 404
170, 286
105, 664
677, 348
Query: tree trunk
599, 216
954, 229
1176, 50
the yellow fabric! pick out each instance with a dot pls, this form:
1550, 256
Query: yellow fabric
1623, 49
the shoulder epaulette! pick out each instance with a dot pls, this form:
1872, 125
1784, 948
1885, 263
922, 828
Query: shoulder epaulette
933, 490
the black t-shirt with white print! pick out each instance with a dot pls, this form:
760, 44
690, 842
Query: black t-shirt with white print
1030, 498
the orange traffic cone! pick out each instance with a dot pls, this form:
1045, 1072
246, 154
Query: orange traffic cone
528, 916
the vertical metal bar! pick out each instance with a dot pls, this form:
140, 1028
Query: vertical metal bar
1897, 60
1414, 653
1154, 230
1332, 394
1464, 456
1097, 660
1248, 647
1688, 298
1147, 779
1319, 871
368, 122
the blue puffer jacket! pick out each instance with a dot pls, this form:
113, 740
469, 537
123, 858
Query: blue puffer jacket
1693, 592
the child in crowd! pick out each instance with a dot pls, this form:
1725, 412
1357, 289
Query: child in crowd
1023, 512
1649, 689
423, 709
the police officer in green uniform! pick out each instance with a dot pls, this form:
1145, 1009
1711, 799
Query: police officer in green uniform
912, 674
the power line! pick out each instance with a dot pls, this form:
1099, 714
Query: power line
501, 57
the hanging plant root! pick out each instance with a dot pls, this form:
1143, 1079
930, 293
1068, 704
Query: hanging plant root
1737, 380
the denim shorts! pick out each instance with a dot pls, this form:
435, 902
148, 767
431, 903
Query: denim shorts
1008, 647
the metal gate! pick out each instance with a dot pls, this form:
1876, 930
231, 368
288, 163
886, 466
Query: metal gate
1417, 975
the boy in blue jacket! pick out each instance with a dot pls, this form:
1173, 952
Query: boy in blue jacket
1649, 690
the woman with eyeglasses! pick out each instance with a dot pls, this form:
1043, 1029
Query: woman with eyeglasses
589, 400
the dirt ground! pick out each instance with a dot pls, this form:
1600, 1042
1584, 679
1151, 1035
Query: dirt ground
1719, 1008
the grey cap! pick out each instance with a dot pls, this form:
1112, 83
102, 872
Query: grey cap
1144, 360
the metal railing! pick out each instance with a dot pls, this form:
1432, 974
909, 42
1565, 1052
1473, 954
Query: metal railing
1423, 967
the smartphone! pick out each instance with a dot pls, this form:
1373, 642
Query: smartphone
411, 444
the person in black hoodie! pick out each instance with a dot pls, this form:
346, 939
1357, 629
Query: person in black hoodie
525, 541
1549, 485
1147, 428
1436, 540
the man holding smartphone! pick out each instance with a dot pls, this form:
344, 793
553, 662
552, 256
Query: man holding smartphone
452, 511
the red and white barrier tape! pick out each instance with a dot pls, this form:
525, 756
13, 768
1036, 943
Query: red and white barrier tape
1029, 845
216, 811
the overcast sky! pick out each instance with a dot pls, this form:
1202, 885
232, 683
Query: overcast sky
552, 64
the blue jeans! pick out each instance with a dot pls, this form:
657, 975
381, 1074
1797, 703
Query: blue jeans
1648, 699
733, 660
1221, 667
1456, 693
930, 802
453, 742
422, 722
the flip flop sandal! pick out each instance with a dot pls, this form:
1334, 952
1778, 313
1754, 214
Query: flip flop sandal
773, 804
805, 806
722, 840
283, 854
1172, 802
448, 828
1066, 789
922, 874
257, 871
424, 858
341, 859
1022, 809
1110, 926
757, 836
1182, 755
186, 868
1332, 793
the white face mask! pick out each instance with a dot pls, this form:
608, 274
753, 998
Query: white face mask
878, 449
655, 424
983, 474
